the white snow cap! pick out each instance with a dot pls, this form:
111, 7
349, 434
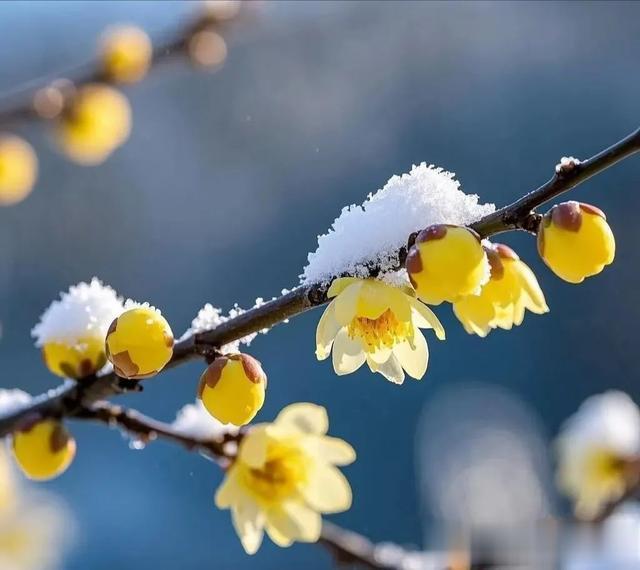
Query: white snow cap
374, 231
87, 309
13, 400
608, 421
193, 420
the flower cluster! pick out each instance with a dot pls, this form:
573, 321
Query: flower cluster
599, 452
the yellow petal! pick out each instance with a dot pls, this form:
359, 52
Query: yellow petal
304, 417
348, 355
248, 521
399, 303
327, 489
294, 520
326, 332
533, 290
228, 492
276, 535
253, 448
380, 355
413, 360
391, 369
330, 449
340, 284
373, 299
425, 318
347, 303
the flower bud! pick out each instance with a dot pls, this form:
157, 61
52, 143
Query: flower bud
445, 263
575, 241
139, 343
232, 388
97, 121
75, 360
126, 54
43, 449
18, 169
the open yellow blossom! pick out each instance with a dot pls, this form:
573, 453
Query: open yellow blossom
575, 241
599, 452
445, 263
96, 123
284, 477
511, 289
126, 53
18, 169
373, 322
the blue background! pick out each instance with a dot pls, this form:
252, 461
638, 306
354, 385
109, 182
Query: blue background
228, 178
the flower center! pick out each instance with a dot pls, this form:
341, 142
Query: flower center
384, 332
280, 476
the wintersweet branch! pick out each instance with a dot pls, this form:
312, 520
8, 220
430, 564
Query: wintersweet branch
345, 546
29, 103
72, 399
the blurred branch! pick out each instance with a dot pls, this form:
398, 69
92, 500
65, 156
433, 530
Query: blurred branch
73, 398
21, 105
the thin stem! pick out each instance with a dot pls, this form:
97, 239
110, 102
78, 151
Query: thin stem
70, 399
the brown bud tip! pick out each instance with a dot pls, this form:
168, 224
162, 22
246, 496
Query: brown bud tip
59, 438
211, 375
413, 262
437, 231
495, 263
567, 216
506, 252
589, 209
253, 369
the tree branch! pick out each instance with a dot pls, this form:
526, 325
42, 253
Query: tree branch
71, 399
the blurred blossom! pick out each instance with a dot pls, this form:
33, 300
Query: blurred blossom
598, 452
35, 528
484, 476
18, 169
126, 53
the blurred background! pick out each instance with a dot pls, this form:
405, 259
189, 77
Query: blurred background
218, 197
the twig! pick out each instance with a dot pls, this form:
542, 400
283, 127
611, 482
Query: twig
71, 399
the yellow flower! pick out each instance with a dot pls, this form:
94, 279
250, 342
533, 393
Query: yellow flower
78, 360
284, 477
575, 241
599, 452
373, 322
139, 343
18, 169
97, 122
511, 289
446, 263
232, 388
43, 450
126, 54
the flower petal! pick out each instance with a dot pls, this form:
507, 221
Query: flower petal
413, 360
327, 489
348, 355
305, 418
276, 535
294, 520
380, 355
326, 332
228, 492
253, 447
425, 318
330, 449
373, 299
533, 290
340, 284
248, 521
391, 369
347, 304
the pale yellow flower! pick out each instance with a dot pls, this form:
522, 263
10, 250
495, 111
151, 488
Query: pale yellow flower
511, 289
373, 322
284, 476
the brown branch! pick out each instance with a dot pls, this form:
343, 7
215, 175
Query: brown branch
20, 105
72, 398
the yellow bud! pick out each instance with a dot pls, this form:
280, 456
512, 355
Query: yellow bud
43, 450
75, 360
575, 241
446, 263
126, 54
139, 343
232, 388
18, 169
97, 121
